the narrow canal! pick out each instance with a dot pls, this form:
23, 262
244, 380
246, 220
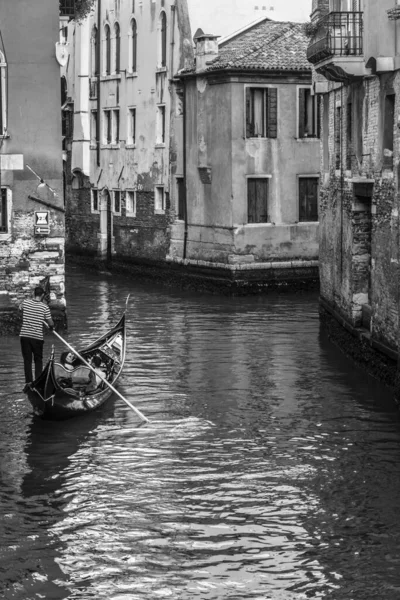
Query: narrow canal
269, 471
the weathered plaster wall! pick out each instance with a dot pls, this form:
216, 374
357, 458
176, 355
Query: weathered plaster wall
29, 33
219, 160
359, 249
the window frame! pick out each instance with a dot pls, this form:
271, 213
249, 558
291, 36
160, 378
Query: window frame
161, 124
114, 194
107, 50
94, 127
94, 193
7, 233
131, 127
133, 36
157, 189
316, 177
162, 40
134, 196
270, 111
115, 127
116, 68
267, 178
316, 114
107, 127
180, 201
3, 97
94, 66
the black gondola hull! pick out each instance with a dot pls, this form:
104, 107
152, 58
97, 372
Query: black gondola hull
51, 401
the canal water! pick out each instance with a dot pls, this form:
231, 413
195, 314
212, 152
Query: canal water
269, 470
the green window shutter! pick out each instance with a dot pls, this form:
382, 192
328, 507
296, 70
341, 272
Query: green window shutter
302, 112
272, 112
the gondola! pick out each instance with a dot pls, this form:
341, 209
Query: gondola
65, 390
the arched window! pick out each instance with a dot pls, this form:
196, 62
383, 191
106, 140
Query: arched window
133, 47
3, 95
163, 39
94, 53
107, 50
117, 48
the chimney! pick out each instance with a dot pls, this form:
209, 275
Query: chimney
206, 49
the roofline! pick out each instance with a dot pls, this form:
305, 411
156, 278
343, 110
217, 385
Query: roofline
245, 71
229, 37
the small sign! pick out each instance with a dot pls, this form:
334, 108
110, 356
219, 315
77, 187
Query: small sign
42, 223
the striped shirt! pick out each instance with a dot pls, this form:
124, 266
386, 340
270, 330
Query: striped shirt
33, 315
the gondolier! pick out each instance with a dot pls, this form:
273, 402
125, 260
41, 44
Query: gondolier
34, 314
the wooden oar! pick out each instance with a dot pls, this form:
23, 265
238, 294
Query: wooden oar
141, 415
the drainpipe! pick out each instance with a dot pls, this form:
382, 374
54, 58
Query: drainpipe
185, 211
98, 60
173, 14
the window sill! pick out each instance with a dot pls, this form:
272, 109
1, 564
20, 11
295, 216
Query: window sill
117, 214
259, 224
110, 146
5, 237
113, 77
131, 74
131, 215
95, 212
161, 70
130, 146
260, 137
159, 211
308, 139
161, 145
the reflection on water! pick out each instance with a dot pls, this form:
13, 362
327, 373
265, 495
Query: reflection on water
269, 469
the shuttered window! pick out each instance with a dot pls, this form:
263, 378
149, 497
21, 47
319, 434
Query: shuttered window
309, 114
257, 200
262, 112
308, 199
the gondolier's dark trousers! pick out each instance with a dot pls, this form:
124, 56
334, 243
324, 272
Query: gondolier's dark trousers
32, 348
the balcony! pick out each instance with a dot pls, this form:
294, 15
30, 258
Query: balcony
337, 49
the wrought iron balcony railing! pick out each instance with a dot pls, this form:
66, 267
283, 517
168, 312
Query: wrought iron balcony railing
339, 34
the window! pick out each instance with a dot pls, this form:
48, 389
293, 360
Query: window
131, 203
261, 112
133, 47
131, 137
95, 200
94, 53
257, 200
107, 130
309, 114
349, 136
308, 199
107, 50
159, 199
115, 127
117, 48
117, 202
133, 6
388, 132
181, 189
3, 95
163, 39
5, 213
94, 130
160, 124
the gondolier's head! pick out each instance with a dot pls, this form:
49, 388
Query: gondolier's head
38, 292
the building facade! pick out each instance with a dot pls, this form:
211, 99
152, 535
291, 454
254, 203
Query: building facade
31, 211
250, 156
117, 114
355, 48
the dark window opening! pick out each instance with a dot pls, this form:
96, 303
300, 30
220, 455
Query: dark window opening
163, 39
134, 46
108, 50
308, 199
95, 200
117, 201
180, 182
117, 48
388, 131
3, 211
262, 112
257, 199
338, 137
349, 136
107, 127
309, 114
